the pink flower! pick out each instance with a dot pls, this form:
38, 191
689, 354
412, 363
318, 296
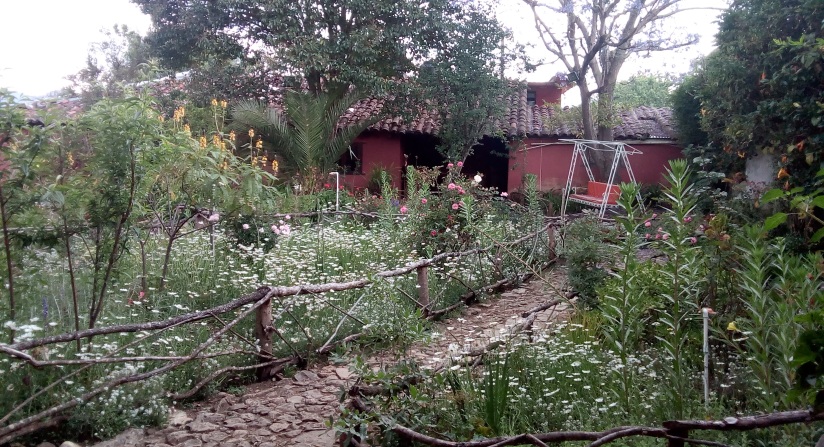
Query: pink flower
455, 206
450, 166
433, 233
460, 164
288, 217
658, 236
285, 230
504, 194
423, 201
647, 224
404, 209
647, 236
451, 186
275, 229
461, 190
688, 219
693, 240
245, 226
214, 218
665, 236
660, 229
654, 215
141, 294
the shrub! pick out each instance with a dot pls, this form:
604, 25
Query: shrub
585, 252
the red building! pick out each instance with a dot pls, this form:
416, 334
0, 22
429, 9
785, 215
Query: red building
533, 144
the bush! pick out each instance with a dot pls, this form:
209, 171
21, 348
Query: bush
585, 251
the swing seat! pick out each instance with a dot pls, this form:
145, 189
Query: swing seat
596, 191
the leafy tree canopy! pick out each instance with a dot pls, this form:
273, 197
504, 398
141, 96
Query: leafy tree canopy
652, 90
122, 57
762, 90
465, 81
329, 45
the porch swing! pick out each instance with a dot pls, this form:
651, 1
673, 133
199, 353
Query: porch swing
599, 194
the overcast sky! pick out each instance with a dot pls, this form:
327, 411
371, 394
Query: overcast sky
47, 40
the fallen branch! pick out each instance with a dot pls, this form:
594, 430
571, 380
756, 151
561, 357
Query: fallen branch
340, 323
282, 364
544, 306
107, 360
8, 432
744, 423
496, 287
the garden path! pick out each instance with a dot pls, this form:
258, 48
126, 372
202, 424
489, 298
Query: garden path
294, 411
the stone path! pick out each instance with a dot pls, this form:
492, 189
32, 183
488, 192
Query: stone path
294, 411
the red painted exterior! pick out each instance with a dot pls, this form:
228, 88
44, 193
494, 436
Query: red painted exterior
546, 92
381, 150
549, 159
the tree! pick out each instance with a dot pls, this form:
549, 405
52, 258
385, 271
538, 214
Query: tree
122, 58
644, 90
762, 90
594, 42
328, 45
463, 83
686, 112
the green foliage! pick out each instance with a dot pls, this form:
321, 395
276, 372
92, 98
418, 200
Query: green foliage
622, 302
463, 84
684, 277
650, 90
760, 91
327, 45
112, 65
586, 253
444, 220
773, 282
306, 133
137, 404
686, 111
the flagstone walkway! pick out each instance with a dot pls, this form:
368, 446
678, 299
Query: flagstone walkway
295, 411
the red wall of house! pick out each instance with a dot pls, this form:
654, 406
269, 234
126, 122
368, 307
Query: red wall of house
546, 93
549, 160
379, 151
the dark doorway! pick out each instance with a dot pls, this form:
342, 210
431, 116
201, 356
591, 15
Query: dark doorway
420, 150
490, 159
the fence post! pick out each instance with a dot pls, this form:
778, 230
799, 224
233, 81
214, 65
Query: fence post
550, 235
681, 433
263, 324
423, 287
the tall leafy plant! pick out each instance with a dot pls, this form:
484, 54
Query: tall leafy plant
622, 305
307, 132
23, 143
120, 132
684, 276
777, 287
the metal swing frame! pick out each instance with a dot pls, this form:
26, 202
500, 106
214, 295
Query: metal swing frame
621, 151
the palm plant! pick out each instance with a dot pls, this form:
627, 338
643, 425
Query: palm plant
306, 133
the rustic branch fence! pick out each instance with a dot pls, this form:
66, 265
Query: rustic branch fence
258, 302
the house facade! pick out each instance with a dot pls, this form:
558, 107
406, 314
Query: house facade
533, 145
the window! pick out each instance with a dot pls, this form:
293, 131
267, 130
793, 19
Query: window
351, 161
531, 98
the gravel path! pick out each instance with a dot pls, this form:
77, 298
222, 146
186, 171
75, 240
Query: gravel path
295, 411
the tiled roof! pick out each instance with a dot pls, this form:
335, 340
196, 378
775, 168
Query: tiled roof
523, 120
